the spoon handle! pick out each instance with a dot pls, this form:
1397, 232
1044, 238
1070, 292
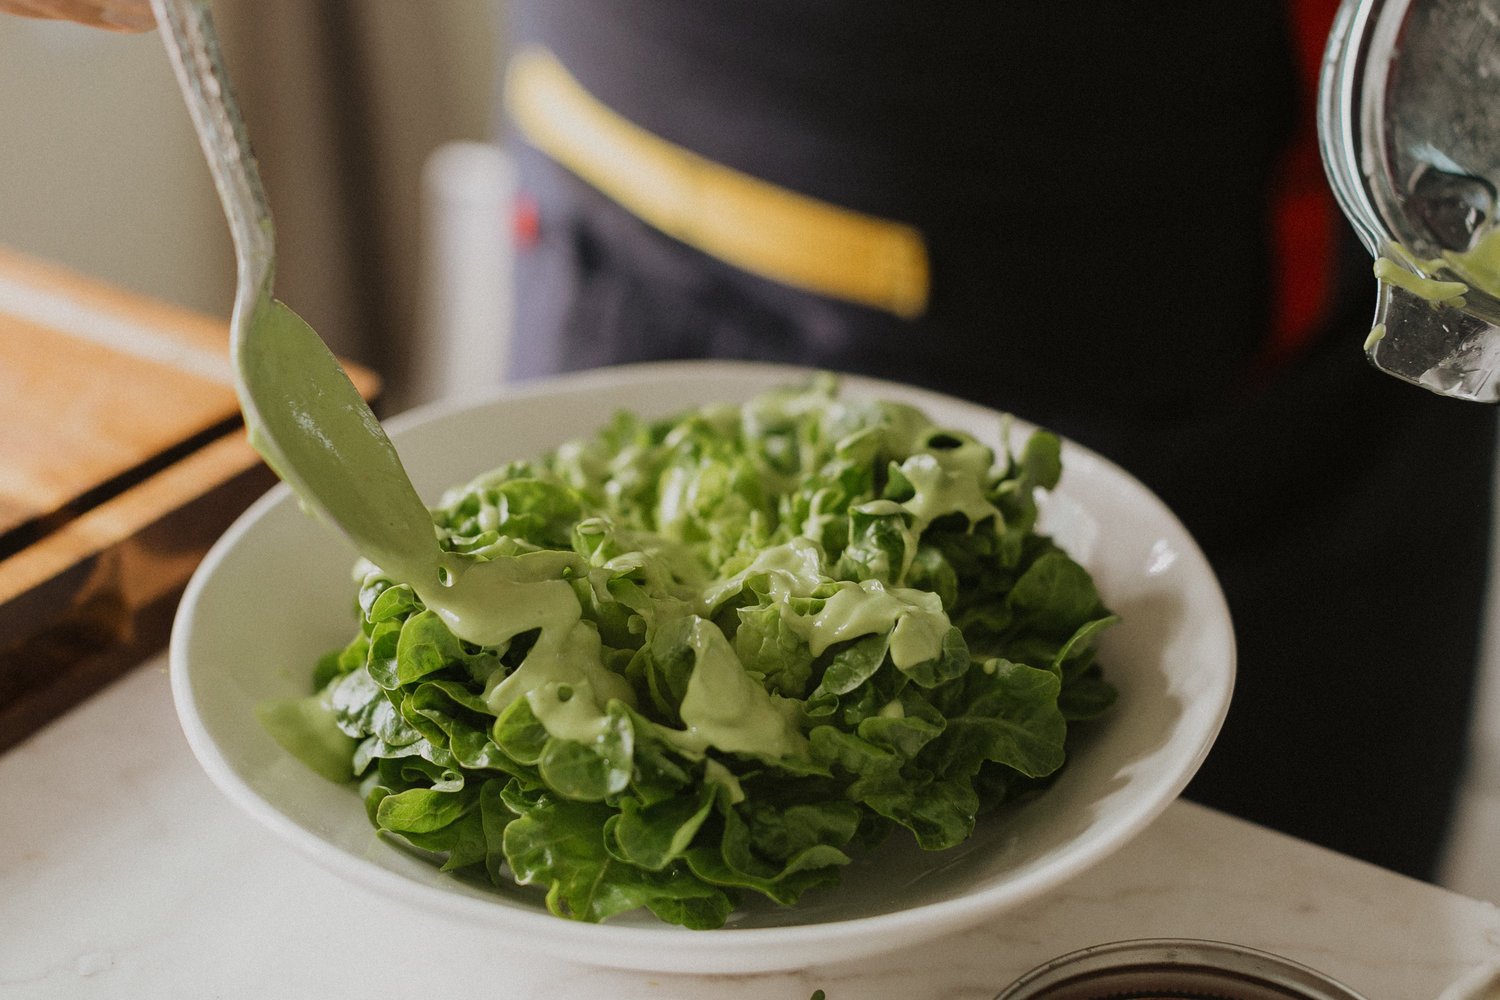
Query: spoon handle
187, 30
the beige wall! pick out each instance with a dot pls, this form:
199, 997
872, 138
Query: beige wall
344, 101
99, 169
98, 165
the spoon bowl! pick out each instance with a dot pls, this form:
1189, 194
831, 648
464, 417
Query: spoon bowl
316, 431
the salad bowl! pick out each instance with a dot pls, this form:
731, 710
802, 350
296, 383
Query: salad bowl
275, 594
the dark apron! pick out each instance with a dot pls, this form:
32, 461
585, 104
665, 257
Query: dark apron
1095, 185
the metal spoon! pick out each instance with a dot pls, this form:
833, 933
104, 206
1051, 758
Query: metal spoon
313, 427
1409, 126
302, 412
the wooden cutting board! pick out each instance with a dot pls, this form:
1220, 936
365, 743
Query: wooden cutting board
122, 458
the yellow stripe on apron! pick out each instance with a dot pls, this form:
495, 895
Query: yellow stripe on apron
757, 226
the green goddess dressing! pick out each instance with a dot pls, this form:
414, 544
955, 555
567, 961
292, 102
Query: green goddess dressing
337, 459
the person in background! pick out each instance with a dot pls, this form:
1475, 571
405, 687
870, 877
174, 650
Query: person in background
1109, 220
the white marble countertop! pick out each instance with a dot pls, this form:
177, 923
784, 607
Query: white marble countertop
124, 873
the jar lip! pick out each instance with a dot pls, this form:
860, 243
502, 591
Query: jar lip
1176, 968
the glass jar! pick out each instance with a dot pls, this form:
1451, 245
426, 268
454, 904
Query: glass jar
1174, 969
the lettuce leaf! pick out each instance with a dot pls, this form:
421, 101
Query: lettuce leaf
811, 621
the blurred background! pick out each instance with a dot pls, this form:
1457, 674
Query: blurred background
376, 127
348, 103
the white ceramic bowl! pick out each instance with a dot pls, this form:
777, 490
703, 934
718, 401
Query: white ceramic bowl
275, 593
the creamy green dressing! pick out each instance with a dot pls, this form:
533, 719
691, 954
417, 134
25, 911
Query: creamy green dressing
915, 619
1431, 289
568, 687
720, 776
941, 490
793, 569
1478, 267
728, 709
904, 428
567, 651
327, 446
1398, 267
569, 711
314, 429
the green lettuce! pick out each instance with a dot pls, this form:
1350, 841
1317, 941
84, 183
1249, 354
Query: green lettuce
810, 622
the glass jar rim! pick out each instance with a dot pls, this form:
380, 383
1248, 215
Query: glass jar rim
1176, 968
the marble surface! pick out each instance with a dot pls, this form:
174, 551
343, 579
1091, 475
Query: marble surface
124, 873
